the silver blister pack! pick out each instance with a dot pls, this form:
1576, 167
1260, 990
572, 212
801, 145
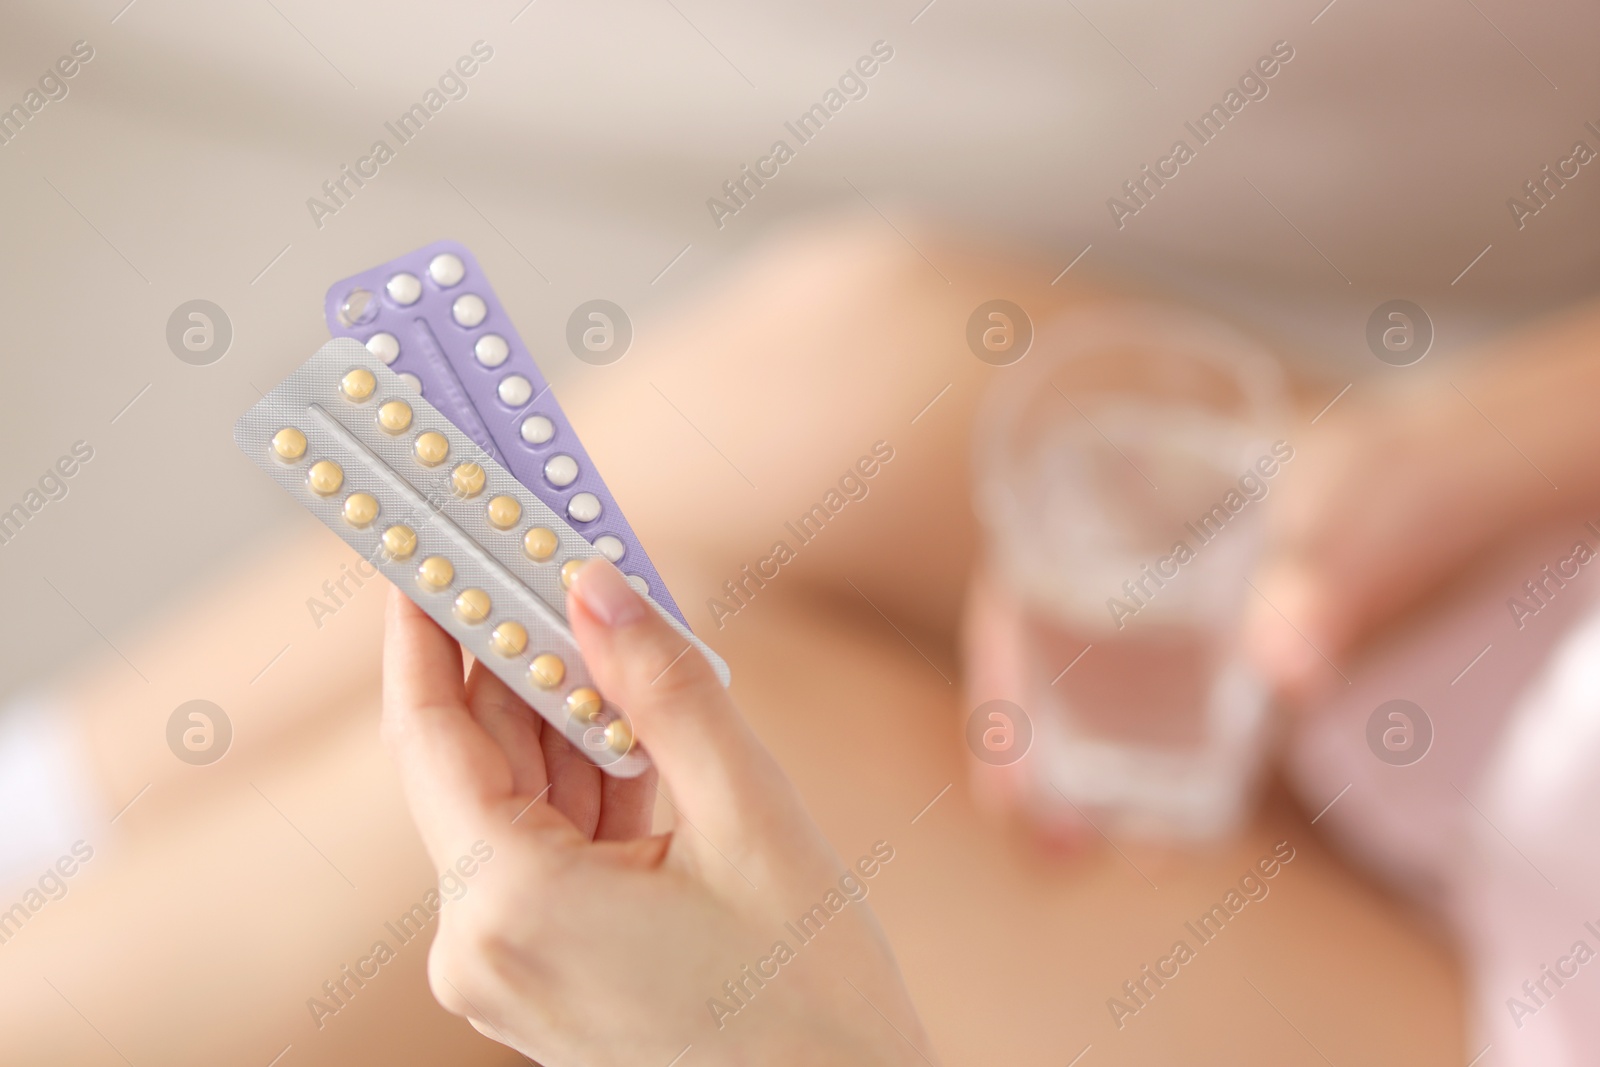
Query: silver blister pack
475, 549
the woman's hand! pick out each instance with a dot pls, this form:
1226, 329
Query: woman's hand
582, 939
1380, 508
1392, 496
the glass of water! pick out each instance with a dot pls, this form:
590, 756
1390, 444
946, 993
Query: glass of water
1123, 470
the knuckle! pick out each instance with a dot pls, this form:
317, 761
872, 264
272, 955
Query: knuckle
447, 968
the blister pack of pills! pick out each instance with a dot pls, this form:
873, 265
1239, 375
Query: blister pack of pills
432, 316
430, 508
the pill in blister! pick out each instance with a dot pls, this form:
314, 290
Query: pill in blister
467, 480
431, 448
404, 289
358, 307
399, 541
469, 310
561, 470
584, 703
461, 371
491, 350
472, 606
436, 572
358, 385
569, 571
289, 444
515, 390
546, 671
325, 477
476, 583
360, 509
610, 547
536, 429
583, 507
539, 543
394, 416
386, 346
509, 639
504, 512
640, 586
446, 269
619, 737
413, 383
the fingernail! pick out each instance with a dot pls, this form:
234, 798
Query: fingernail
607, 594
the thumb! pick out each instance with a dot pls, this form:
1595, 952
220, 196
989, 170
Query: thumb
1291, 632
723, 780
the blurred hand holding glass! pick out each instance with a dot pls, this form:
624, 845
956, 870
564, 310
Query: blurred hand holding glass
1122, 469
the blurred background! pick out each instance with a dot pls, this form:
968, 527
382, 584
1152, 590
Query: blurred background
578, 165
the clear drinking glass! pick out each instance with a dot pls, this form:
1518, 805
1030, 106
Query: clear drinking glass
1123, 470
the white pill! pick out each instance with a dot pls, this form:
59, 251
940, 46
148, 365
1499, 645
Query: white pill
469, 310
640, 586
536, 429
585, 507
385, 346
446, 269
491, 350
515, 390
610, 546
412, 382
561, 470
404, 289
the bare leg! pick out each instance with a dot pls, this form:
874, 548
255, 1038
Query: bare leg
220, 901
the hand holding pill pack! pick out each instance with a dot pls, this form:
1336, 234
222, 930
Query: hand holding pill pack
432, 316
487, 558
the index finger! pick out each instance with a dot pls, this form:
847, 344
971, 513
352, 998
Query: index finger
457, 780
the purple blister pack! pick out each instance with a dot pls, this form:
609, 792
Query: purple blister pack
433, 317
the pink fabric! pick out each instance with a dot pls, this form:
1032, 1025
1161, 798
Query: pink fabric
1495, 829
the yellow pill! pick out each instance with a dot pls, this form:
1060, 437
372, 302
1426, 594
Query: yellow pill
358, 384
539, 543
547, 671
467, 480
504, 512
435, 572
472, 605
584, 703
619, 737
360, 509
432, 447
399, 542
394, 416
509, 639
569, 571
325, 477
289, 443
